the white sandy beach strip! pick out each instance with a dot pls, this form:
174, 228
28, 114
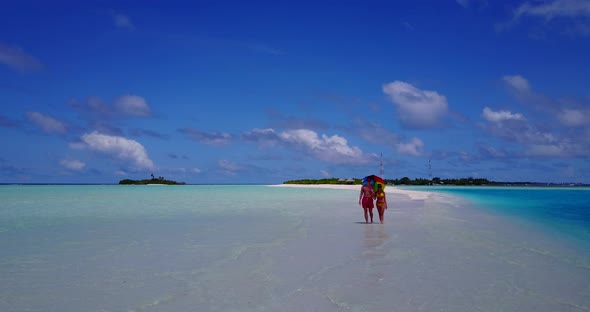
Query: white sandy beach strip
435, 252
414, 195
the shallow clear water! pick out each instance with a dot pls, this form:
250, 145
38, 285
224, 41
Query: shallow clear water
560, 209
258, 248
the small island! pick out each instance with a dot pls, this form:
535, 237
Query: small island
153, 180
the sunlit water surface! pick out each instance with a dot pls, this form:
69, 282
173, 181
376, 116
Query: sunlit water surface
259, 248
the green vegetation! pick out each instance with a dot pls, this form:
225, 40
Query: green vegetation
324, 181
439, 181
434, 181
402, 181
153, 180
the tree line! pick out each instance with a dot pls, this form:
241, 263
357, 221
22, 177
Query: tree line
401, 181
433, 181
153, 180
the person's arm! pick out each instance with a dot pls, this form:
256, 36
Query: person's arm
361, 196
385, 200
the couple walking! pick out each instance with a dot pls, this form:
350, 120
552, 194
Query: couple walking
368, 194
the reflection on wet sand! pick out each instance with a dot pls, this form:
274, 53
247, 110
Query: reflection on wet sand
375, 253
375, 237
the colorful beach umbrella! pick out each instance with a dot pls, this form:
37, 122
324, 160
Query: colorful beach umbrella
367, 180
375, 181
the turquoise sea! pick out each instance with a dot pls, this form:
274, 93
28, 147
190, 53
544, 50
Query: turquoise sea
264, 248
561, 210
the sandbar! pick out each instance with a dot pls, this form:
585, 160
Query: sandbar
414, 195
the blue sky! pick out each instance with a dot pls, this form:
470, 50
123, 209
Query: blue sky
269, 91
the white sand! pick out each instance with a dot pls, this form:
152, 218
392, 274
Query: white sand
414, 195
435, 252
288, 250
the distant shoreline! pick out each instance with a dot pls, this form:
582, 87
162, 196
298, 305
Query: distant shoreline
413, 194
152, 181
579, 185
424, 182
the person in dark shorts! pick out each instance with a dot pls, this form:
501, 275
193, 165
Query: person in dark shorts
366, 200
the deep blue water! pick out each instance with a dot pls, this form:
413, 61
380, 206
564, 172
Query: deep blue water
562, 209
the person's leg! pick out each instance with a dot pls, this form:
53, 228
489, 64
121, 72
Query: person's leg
371, 214
366, 215
381, 211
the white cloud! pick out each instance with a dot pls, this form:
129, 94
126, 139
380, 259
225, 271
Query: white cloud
331, 149
517, 82
574, 117
536, 140
574, 13
195, 170
554, 9
417, 108
524, 93
209, 138
120, 173
47, 123
122, 21
325, 173
73, 164
119, 147
264, 137
415, 147
566, 111
500, 116
98, 110
18, 59
133, 105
